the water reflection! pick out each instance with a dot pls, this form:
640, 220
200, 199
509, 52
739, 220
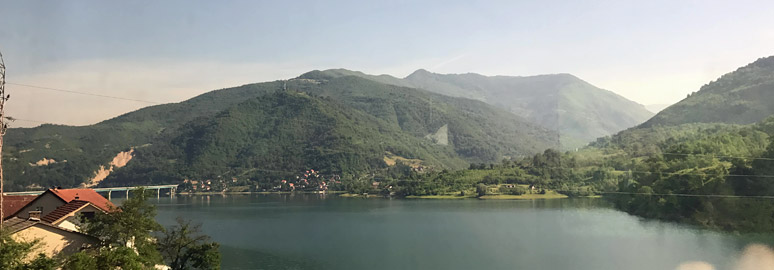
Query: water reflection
309, 231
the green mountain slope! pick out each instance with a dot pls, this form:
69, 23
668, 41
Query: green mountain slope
477, 131
78, 152
175, 141
743, 96
275, 135
580, 111
577, 110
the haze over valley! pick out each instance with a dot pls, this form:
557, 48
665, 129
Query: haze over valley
386, 135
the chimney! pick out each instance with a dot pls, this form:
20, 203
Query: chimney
35, 215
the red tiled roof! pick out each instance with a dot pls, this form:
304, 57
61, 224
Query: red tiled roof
64, 210
84, 194
13, 203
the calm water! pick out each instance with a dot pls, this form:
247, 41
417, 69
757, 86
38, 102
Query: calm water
313, 232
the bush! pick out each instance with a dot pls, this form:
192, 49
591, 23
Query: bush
481, 189
516, 190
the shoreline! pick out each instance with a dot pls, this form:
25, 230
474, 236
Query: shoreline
342, 194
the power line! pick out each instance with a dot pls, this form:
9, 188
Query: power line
629, 171
28, 120
718, 156
82, 93
672, 173
681, 194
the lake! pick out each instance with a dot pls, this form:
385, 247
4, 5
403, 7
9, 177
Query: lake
326, 232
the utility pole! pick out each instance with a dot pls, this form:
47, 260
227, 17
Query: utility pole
3, 127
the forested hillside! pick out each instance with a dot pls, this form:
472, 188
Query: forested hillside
269, 136
740, 97
577, 110
716, 174
178, 141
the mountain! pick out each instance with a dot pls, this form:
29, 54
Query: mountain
338, 124
743, 96
656, 108
577, 110
276, 134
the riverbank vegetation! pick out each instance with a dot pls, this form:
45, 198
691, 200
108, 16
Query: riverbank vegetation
712, 175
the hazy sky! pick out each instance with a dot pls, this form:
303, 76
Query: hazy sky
166, 51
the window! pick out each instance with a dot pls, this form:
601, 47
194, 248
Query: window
87, 215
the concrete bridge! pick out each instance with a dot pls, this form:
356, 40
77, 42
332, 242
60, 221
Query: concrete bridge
109, 191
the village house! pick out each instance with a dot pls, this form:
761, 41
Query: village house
61, 206
13, 203
53, 240
53, 218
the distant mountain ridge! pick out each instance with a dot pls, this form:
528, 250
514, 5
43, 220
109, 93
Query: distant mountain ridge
656, 108
267, 131
579, 111
744, 96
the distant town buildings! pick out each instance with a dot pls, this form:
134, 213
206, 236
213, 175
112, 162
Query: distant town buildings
309, 180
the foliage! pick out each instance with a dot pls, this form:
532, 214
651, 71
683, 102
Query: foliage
481, 190
665, 177
347, 125
579, 111
739, 97
131, 239
516, 190
130, 225
107, 258
14, 255
184, 247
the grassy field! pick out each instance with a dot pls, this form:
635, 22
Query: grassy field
352, 195
391, 159
548, 195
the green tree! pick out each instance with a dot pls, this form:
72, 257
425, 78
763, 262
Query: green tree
130, 225
80, 261
185, 247
13, 255
124, 258
481, 189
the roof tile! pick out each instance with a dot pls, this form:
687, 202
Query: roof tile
64, 210
84, 194
13, 203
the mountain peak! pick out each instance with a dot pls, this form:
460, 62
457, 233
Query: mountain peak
420, 73
330, 74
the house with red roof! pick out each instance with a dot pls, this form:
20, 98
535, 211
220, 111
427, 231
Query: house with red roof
65, 207
53, 218
13, 203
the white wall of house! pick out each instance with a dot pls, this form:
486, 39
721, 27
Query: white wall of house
73, 220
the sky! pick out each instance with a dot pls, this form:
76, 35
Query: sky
652, 52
